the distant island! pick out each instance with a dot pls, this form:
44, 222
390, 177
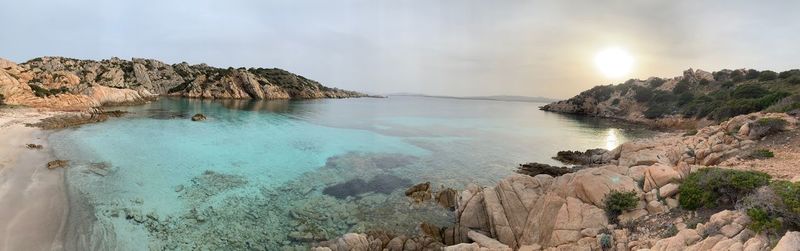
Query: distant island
494, 98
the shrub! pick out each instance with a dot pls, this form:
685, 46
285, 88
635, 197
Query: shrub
656, 82
767, 75
794, 80
727, 85
606, 242
774, 124
789, 195
704, 82
789, 73
761, 154
752, 74
617, 201
710, 187
749, 91
615, 101
761, 220
656, 111
672, 230
737, 76
643, 94
681, 87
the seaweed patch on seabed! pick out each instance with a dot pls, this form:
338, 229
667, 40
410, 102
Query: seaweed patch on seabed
383, 183
291, 216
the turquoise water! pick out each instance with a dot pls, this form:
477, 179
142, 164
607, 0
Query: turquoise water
275, 174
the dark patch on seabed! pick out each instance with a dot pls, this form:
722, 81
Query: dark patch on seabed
356, 161
164, 114
382, 183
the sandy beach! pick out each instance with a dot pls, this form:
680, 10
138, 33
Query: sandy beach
34, 198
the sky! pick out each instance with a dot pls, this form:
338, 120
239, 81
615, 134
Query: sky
447, 47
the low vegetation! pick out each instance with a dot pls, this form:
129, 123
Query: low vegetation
729, 93
44, 92
761, 154
772, 205
713, 187
617, 202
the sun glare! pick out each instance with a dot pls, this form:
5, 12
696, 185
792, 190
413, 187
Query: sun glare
614, 62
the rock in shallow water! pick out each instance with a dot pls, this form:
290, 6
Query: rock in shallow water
198, 117
57, 164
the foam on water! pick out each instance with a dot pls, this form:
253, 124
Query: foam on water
254, 175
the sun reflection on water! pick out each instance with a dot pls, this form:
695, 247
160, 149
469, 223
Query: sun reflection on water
611, 139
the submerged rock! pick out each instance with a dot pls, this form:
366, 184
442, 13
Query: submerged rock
57, 164
384, 184
100, 168
198, 117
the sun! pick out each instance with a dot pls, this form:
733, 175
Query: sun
614, 62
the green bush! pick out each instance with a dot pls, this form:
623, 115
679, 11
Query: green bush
749, 91
789, 73
643, 94
656, 111
752, 74
615, 101
606, 242
761, 220
617, 202
774, 124
767, 75
761, 154
681, 87
710, 187
789, 194
656, 82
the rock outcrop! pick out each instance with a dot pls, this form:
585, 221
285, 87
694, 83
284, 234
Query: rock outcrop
72, 84
565, 211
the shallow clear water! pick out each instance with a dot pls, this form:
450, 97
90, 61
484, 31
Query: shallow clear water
270, 174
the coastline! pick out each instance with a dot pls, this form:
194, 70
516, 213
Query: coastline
38, 218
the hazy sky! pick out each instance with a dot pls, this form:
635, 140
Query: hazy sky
533, 48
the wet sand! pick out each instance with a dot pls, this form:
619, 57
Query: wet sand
33, 199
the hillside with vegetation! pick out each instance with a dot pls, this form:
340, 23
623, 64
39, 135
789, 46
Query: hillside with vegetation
696, 94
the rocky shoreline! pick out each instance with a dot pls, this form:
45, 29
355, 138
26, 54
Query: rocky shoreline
73, 84
554, 209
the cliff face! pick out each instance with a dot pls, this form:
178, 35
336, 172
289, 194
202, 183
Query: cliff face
696, 94
59, 82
